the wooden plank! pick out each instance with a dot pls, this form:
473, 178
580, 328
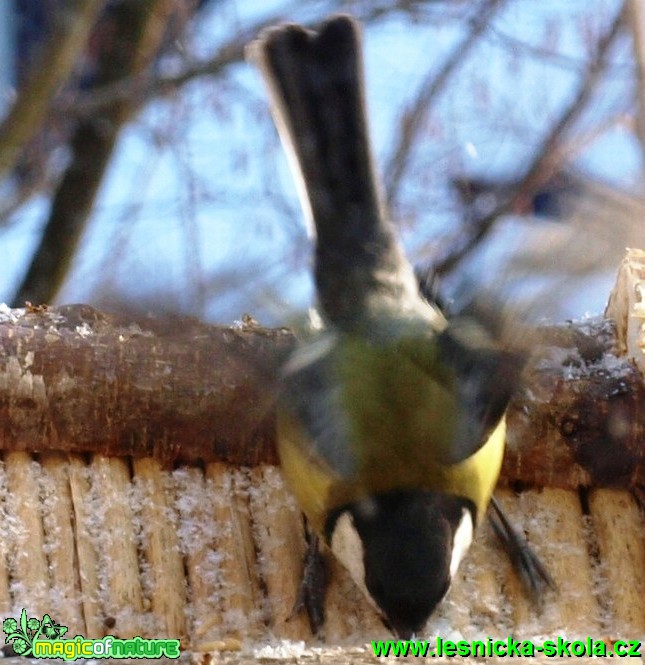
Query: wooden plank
161, 547
28, 564
476, 605
348, 613
65, 592
278, 532
86, 547
620, 530
119, 573
239, 534
552, 521
5, 595
196, 531
240, 593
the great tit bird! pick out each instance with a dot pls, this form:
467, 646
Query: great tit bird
391, 427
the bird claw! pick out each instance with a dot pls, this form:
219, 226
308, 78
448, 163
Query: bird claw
313, 585
535, 578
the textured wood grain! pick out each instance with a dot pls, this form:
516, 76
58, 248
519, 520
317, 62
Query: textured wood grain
241, 603
74, 379
620, 529
59, 541
277, 530
227, 544
86, 546
165, 572
27, 559
120, 579
5, 595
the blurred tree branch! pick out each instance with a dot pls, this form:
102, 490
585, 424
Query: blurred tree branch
129, 87
75, 19
540, 53
96, 115
547, 160
417, 111
137, 34
636, 21
229, 53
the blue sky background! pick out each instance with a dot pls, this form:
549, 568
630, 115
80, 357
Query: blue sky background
198, 212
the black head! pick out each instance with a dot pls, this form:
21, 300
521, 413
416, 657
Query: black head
403, 548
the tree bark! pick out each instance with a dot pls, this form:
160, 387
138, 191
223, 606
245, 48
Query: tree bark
73, 379
138, 29
76, 18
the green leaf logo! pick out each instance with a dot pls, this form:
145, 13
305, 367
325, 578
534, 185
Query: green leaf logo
21, 635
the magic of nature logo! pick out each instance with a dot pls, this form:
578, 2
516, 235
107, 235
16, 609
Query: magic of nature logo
44, 638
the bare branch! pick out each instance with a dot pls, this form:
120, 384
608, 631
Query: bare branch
549, 158
229, 53
636, 20
568, 62
432, 86
139, 30
26, 116
128, 87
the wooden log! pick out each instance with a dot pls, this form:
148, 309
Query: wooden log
575, 423
76, 380
627, 307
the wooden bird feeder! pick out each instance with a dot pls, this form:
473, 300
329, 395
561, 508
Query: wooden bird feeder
139, 492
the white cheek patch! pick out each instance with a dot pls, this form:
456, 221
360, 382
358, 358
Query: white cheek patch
347, 547
461, 541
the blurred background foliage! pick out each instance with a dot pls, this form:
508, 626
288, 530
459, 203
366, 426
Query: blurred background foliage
140, 170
